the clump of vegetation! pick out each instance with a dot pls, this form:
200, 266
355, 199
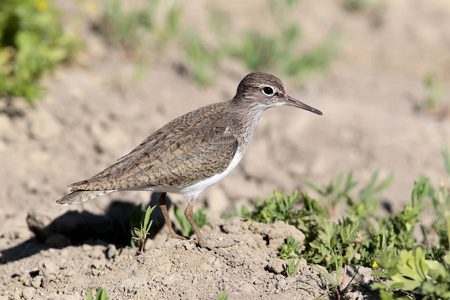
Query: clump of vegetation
139, 28
290, 249
410, 271
385, 244
335, 192
201, 59
277, 51
32, 43
336, 285
279, 207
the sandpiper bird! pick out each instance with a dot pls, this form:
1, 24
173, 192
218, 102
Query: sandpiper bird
192, 152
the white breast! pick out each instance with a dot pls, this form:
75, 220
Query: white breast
192, 192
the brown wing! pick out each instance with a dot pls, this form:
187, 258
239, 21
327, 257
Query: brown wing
179, 154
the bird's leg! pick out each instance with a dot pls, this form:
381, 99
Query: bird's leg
162, 204
189, 213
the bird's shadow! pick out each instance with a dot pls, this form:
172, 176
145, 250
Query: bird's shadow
77, 228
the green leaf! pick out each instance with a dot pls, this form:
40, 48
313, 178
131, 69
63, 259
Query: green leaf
405, 283
223, 296
33, 43
446, 156
137, 232
101, 294
437, 271
147, 216
89, 295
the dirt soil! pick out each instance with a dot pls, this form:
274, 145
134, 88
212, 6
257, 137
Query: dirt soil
96, 112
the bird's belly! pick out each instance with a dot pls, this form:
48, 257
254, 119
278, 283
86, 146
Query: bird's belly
191, 192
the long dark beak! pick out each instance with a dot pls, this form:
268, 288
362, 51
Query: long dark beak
294, 102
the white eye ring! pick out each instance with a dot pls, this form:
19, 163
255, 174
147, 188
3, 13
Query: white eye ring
268, 90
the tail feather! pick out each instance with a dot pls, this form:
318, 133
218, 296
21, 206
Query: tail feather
81, 196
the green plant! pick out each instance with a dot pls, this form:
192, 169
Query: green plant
360, 243
290, 249
333, 242
383, 248
101, 294
32, 43
386, 244
335, 191
369, 200
446, 157
201, 59
358, 239
279, 51
405, 220
435, 91
361, 5
140, 234
139, 28
223, 296
441, 203
336, 285
200, 218
279, 207
412, 272
291, 268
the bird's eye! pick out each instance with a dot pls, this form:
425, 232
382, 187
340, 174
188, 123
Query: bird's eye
267, 90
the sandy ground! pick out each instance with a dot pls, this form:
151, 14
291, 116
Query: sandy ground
94, 113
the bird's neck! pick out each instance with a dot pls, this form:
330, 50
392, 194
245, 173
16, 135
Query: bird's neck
245, 118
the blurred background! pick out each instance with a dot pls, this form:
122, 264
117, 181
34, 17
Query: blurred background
83, 82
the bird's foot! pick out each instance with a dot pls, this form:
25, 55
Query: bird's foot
217, 248
211, 246
174, 235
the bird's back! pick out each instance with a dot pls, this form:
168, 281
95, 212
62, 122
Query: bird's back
185, 151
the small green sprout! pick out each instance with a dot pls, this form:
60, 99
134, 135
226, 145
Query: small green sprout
101, 294
335, 191
140, 234
223, 296
435, 90
292, 267
290, 249
336, 285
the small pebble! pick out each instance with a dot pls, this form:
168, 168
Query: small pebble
28, 293
97, 253
111, 252
36, 282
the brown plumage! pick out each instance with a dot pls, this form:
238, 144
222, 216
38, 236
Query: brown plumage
192, 152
